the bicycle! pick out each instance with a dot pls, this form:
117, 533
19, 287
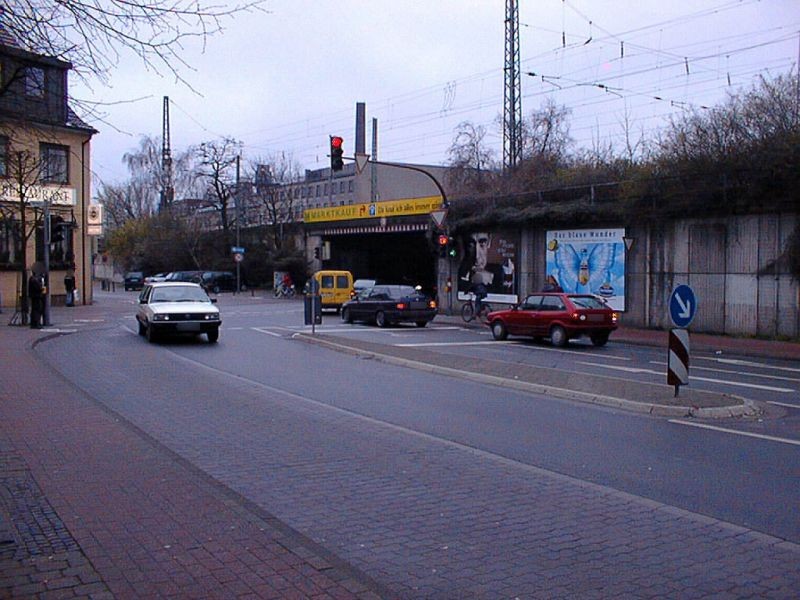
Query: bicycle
468, 310
283, 291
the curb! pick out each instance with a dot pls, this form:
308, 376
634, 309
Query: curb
747, 408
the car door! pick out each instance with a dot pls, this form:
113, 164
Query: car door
552, 310
142, 308
522, 321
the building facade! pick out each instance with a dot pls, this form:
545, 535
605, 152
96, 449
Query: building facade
45, 177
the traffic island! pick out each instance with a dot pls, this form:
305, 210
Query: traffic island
650, 398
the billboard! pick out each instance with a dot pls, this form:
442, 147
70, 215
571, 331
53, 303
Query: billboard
489, 258
588, 261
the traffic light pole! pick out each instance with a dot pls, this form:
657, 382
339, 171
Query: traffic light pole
46, 257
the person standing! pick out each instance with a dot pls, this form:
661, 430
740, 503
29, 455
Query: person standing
69, 287
36, 292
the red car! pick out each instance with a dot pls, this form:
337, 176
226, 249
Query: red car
558, 316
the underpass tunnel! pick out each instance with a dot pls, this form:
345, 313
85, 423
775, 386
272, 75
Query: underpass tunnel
390, 257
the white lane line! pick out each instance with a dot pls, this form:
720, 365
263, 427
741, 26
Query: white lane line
760, 436
748, 363
261, 330
481, 343
706, 379
744, 373
783, 404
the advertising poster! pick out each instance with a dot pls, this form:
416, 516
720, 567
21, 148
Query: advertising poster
489, 258
588, 261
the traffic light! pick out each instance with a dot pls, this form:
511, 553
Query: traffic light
337, 163
452, 249
316, 252
443, 239
56, 229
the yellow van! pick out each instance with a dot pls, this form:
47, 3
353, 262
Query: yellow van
334, 287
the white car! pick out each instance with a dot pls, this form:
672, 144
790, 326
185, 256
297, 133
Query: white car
176, 307
155, 278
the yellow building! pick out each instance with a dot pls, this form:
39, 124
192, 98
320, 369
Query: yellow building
44, 168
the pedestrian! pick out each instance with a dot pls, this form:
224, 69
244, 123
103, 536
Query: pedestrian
36, 293
69, 287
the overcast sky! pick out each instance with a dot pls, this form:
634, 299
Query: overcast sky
285, 79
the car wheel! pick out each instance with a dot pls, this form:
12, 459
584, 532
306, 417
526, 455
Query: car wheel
380, 319
558, 336
142, 328
499, 331
216, 289
421, 323
599, 339
213, 335
346, 316
152, 336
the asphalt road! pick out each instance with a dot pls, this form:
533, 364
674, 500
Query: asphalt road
432, 483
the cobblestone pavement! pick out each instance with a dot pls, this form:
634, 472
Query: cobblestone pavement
92, 507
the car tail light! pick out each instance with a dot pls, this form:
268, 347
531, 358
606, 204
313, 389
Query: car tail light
432, 304
401, 306
576, 316
614, 317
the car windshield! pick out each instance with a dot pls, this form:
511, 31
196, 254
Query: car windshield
587, 302
179, 293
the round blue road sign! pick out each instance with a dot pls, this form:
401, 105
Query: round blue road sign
682, 306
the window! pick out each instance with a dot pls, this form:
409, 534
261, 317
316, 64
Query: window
10, 251
3, 156
34, 82
55, 163
350, 186
552, 303
341, 187
317, 190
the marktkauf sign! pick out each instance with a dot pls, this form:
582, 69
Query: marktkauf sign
38, 194
371, 210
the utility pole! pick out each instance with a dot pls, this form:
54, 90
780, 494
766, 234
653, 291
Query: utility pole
238, 219
167, 189
512, 106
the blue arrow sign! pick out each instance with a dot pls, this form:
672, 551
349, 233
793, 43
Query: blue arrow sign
237, 250
682, 306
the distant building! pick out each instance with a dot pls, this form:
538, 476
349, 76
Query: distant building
45, 151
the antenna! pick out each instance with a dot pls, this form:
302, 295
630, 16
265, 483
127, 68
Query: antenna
168, 190
512, 107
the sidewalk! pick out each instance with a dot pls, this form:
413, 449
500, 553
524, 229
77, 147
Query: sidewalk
92, 507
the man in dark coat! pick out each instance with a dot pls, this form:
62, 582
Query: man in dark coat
36, 293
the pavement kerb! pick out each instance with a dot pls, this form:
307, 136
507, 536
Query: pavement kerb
747, 408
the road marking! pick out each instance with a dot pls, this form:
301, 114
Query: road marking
783, 404
420, 344
706, 379
745, 373
760, 436
262, 330
748, 363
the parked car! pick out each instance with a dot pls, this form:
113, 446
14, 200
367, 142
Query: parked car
190, 276
385, 305
219, 281
362, 285
134, 280
155, 278
558, 316
175, 307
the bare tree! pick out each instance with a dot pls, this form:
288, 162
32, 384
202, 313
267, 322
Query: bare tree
472, 163
270, 176
217, 164
22, 196
92, 35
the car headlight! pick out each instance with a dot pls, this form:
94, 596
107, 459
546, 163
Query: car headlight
212, 317
160, 317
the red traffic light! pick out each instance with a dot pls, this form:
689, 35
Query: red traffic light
336, 141
443, 240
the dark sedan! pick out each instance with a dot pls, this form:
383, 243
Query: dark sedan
385, 305
560, 317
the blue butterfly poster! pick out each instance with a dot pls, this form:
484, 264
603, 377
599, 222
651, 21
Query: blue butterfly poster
588, 261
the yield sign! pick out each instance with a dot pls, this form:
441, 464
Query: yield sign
361, 162
439, 216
